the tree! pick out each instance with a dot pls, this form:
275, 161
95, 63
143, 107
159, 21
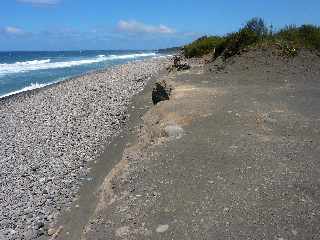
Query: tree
258, 26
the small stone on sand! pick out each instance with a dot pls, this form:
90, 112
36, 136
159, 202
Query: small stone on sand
162, 228
174, 131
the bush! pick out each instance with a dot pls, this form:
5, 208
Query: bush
287, 49
258, 27
237, 41
307, 36
290, 39
252, 32
288, 33
202, 46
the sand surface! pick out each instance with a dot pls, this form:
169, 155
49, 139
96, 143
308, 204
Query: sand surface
234, 154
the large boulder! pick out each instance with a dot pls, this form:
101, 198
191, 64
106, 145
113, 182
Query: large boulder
161, 92
177, 65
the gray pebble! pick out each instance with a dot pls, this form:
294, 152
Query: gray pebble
49, 136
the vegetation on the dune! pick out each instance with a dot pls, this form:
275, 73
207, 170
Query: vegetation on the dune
169, 50
255, 32
307, 36
202, 46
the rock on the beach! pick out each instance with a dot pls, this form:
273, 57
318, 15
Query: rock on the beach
161, 92
162, 228
174, 131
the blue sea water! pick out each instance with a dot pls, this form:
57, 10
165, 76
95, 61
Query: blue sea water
22, 71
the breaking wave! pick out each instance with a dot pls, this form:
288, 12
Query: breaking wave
20, 67
28, 88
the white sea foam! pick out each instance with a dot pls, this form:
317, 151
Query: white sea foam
28, 88
33, 62
130, 56
19, 67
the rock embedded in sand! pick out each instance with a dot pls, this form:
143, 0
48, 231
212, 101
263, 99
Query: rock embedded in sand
174, 131
122, 231
51, 231
162, 228
161, 92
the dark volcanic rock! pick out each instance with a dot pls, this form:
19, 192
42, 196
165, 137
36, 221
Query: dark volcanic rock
177, 65
161, 92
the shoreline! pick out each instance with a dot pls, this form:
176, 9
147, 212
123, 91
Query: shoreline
49, 84
52, 134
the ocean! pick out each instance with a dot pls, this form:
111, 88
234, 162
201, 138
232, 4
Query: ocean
22, 71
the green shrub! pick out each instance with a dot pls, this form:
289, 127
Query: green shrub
258, 27
255, 32
237, 41
287, 48
307, 36
252, 32
202, 46
288, 33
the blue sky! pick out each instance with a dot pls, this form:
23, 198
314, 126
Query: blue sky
140, 24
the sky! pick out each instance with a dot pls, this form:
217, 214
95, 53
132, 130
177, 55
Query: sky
140, 24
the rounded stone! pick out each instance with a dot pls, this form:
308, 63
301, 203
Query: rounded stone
174, 131
162, 228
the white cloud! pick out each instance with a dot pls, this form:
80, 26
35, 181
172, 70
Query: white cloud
139, 27
40, 2
13, 30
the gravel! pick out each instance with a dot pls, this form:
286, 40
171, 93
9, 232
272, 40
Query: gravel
48, 137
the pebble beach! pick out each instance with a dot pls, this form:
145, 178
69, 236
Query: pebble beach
50, 135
